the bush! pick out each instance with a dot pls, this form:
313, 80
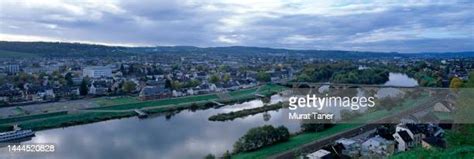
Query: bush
260, 137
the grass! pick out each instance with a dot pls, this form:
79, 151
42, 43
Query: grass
372, 116
443, 115
30, 117
454, 153
294, 142
242, 92
460, 141
13, 54
71, 119
109, 101
460, 145
5, 128
163, 102
270, 88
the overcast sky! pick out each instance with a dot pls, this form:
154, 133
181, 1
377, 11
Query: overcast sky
402, 26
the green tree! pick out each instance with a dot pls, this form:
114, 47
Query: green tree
129, 86
68, 78
226, 155
214, 79
176, 85
455, 83
226, 78
209, 156
260, 137
263, 76
84, 89
192, 83
168, 84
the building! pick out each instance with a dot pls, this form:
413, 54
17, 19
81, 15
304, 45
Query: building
154, 92
12, 69
320, 154
350, 147
443, 107
97, 72
414, 131
377, 147
404, 141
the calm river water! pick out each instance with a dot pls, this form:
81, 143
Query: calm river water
185, 135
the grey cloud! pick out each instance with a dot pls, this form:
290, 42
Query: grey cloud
201, 24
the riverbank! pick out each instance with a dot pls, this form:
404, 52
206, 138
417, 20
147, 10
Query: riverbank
63, 119
294, 142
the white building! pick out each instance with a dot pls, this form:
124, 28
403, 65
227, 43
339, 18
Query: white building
97, 72
320, 154
377, 147
13, 68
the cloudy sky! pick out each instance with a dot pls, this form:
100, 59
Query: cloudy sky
402, 26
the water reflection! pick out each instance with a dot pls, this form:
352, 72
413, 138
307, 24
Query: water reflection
400, 79
185, 135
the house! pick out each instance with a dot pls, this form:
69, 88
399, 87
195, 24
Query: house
98, 88
8, 92
190, 91
154, 92
38, 92
320, 154
415, 131
404, 140
204, 88
443, 106
97, 72
47, 93
349, 147
377, 147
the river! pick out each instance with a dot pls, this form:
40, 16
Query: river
185, 135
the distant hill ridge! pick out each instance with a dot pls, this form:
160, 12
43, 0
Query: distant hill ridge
62, 49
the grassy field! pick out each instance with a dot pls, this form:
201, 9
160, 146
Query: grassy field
12, 54
71, 119
294, 142
242, 92
460, 145
270, 88
407, 104
109, 101
163, 102
30, 117
5, 128
454, 153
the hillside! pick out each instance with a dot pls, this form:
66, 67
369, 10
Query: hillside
57, 49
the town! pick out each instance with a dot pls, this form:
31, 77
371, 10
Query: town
24, 81
61, 91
